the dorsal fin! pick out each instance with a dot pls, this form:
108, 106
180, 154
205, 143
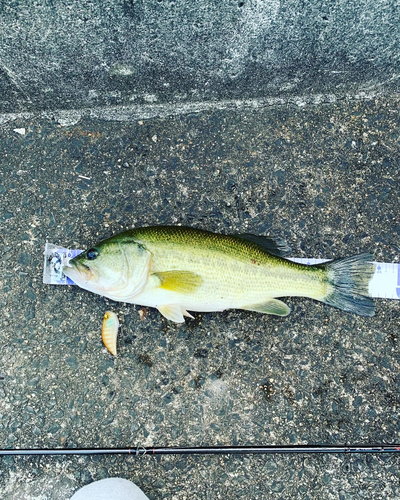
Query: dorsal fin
275, 246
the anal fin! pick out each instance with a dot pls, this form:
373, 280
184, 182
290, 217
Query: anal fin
272, 306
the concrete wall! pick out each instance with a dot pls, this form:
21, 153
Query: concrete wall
73, 54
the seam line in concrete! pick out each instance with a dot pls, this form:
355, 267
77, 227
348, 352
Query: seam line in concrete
128, 113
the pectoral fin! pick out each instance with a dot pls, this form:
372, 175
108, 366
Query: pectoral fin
174, 312
179, 281
273, 306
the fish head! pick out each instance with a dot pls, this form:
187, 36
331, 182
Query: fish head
112, 268
99, 267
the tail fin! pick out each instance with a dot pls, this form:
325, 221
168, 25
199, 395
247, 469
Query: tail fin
349, 279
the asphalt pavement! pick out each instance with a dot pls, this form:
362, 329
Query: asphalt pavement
323, 176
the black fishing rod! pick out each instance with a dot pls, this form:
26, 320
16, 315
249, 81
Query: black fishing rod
208, 450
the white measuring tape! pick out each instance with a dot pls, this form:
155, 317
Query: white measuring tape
385, 283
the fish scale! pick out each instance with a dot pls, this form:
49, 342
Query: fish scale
234, 271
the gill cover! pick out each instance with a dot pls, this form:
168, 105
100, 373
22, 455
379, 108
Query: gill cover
134, 267
117, 270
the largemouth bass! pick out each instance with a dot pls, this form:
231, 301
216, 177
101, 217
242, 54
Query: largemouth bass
178, 269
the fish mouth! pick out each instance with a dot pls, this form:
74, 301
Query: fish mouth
77, 271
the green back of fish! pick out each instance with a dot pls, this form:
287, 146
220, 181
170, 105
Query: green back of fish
201, 241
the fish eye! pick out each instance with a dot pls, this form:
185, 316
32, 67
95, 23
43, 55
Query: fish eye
92, 254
